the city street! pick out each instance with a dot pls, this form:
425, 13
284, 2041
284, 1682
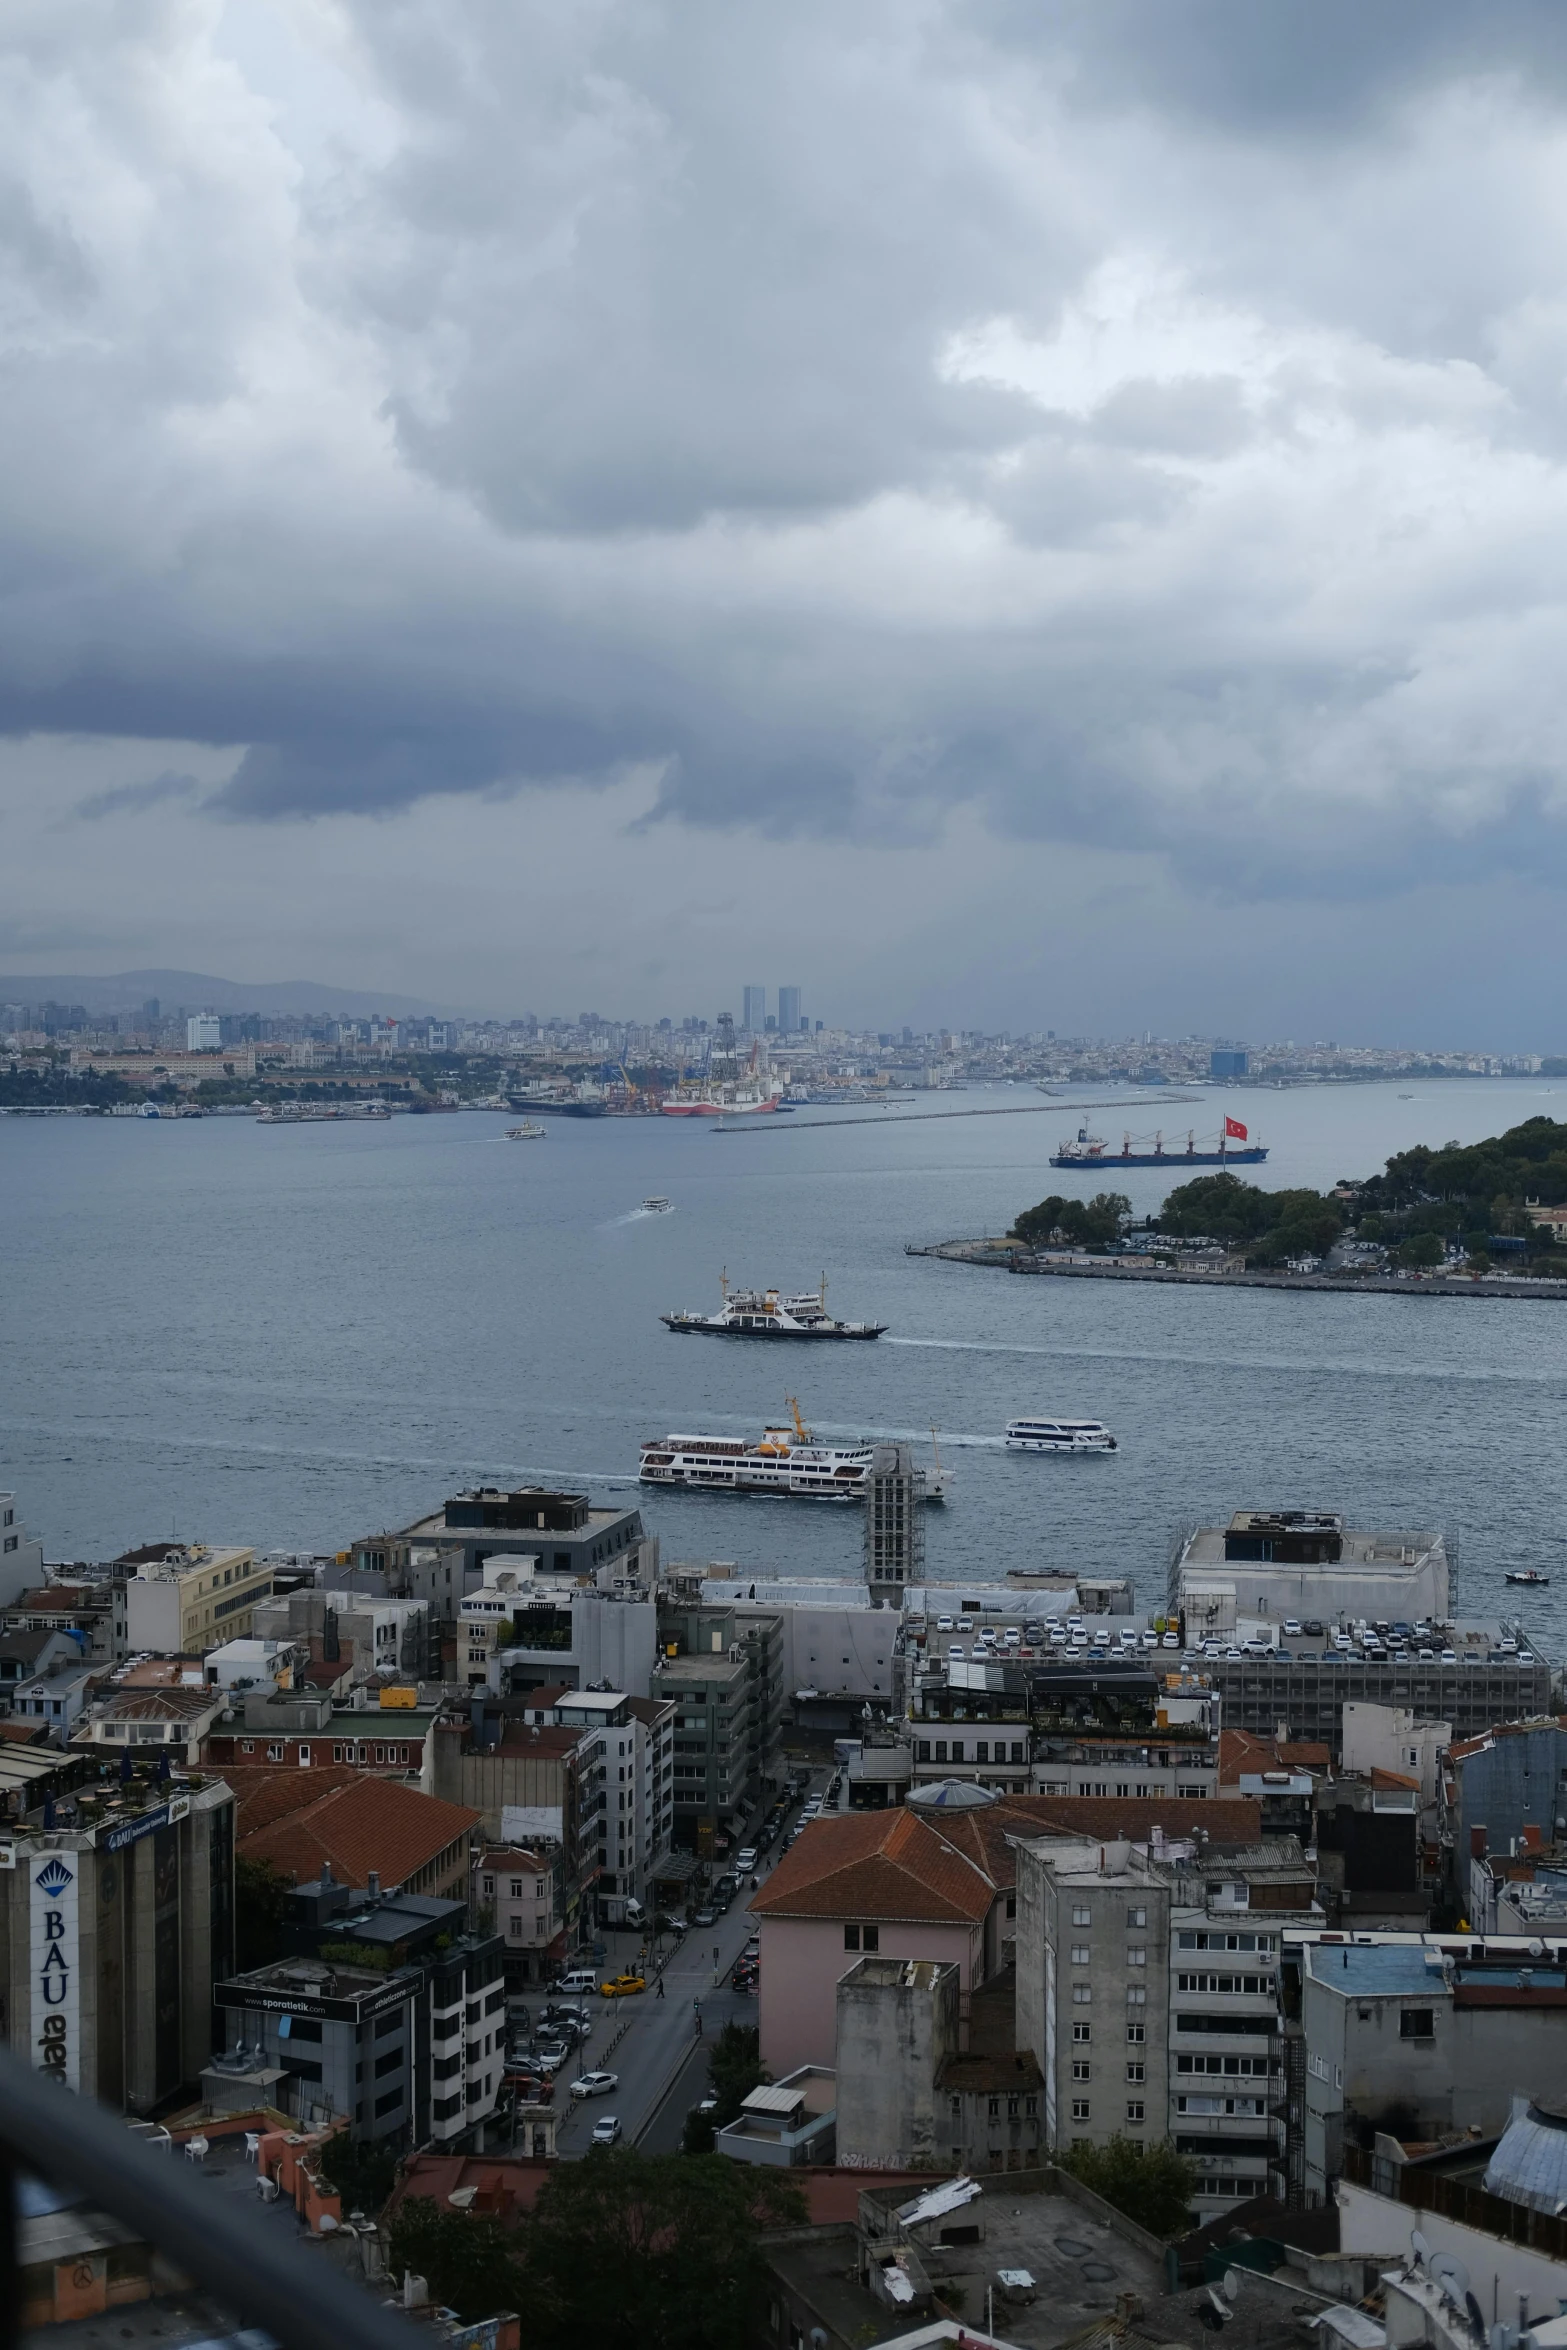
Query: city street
660, 2041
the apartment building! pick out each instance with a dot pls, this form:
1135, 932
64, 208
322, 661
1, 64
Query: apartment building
183, 1601
387, 2009
1148, 1989
632, 1806
521, 1887
563, 1531
1420, 2039
372, 1633
1268, 1566
92, 1609
725, 1672
526, 1781
21, 1557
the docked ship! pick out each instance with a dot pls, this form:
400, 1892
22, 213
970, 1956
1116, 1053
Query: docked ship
787, 1461
1232, 1147
733, 1084
766, 1313
1059, 1436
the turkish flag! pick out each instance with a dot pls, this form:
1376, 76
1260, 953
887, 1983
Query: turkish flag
1234, 1131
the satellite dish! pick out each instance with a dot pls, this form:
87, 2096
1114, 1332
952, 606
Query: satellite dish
1450, 2275
1230, 2285
1476, 2316
1420, 2248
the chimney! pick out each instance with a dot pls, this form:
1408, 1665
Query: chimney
1479, 1842
374, 1885
326, 1872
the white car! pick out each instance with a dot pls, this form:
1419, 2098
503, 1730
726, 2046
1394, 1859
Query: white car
606, 2132
957, 1649
1170, 1640
594, 2084
745, 1859
1291, 1628
943, 1623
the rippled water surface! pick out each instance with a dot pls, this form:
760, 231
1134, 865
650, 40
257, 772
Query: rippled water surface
291, 1335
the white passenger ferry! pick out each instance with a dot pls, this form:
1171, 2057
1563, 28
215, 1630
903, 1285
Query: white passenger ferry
787, 1461
1059, 1436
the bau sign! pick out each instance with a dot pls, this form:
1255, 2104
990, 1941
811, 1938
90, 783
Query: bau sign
54, 1967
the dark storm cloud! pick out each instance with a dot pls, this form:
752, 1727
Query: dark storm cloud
1143, 422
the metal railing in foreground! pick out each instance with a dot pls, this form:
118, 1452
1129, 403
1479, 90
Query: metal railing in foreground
229, 2251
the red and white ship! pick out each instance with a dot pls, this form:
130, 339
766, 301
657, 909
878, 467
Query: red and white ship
746, 1091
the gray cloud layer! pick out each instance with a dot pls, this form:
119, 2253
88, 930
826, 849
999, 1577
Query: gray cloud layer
1142, 419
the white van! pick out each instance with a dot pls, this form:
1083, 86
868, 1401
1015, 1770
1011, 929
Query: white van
581, 1978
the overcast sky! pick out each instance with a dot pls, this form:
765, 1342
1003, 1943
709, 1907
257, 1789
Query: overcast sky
1045, 514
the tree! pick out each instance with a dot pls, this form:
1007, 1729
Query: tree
260, 1896
362, 2174
1153, 2185
1084, 1223
1422, 1249
734, 2068
634, 2251
471, 2262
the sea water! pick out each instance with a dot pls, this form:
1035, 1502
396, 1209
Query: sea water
295, 1335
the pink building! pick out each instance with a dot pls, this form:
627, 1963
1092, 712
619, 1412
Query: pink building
869, 1881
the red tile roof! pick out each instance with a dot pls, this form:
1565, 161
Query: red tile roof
886, 1864
1241, 1750
368, 1824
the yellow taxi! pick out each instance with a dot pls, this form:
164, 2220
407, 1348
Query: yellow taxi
622, 1986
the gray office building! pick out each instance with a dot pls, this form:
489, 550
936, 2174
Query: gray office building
754, 1018
788, 1011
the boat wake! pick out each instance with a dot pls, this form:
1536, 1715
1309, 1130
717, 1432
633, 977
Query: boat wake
638, 1216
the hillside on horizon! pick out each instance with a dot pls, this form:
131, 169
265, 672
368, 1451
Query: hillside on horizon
198, 991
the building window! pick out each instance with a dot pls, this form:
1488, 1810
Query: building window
1136, 1954
982, 1750
1081, 2032
1082, 1994
941, 1750
275, 1752
994, 2108
1417, 2023
851, 1937
1137, 2072
1080, 2109
1081, 2068
871, 1937
1082, 1955
1136, 2034
1137, 1917
1134, 2109
1082, 1917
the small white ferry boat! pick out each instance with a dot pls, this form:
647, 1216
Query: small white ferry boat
526, 1132
657, 1205
1059, 1436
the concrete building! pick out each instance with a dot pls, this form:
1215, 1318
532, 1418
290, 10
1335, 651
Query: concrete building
1419, 2039
634, 1757
788, 1011
376, 1635
191, 1599
411, 2042
112, 1933
326, 2040
527, 1781
577, 1634
566, 1534
1483, 1675
898, 2021
836, 1648
785, 2124
1522, 1893
725, 1673
894, 1524
1271, 1565
1147, 1987
203, 1033
21, 1558
1392, 1738
753, 1018
1125, 1728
